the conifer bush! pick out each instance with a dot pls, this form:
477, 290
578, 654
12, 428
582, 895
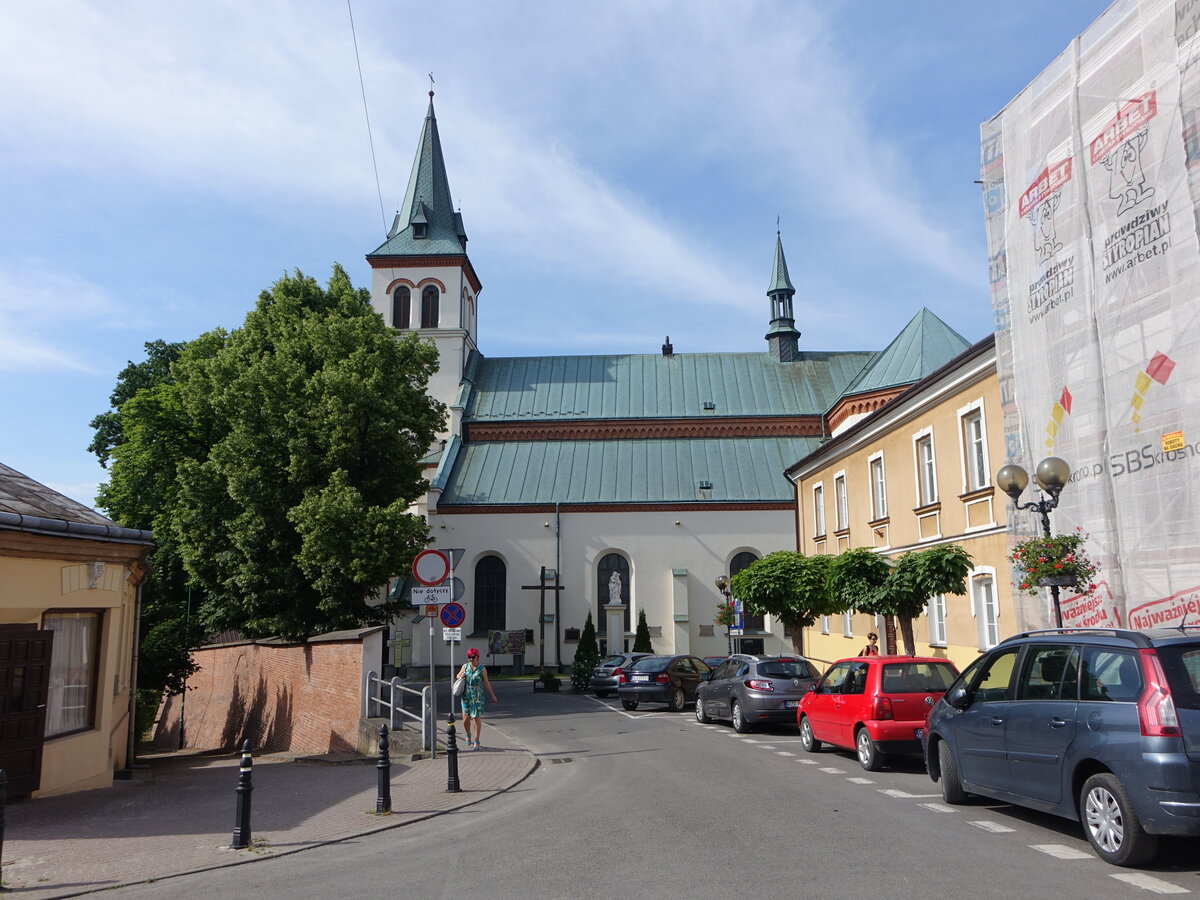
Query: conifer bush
641, 642
587, 654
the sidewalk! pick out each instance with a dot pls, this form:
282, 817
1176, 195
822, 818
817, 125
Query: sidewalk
178, 815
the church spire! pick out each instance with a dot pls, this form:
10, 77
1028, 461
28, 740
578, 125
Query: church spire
782, 337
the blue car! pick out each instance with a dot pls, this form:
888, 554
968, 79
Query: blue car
661, 679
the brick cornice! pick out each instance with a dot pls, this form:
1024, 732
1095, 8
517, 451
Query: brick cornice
678, 506
860, 404
427, 262
627, 429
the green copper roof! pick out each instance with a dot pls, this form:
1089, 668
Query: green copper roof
925, 344
779, 272
633, 471
549, 388
427, 201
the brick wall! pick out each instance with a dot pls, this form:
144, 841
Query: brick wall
298, 697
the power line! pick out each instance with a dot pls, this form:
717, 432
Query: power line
367, 116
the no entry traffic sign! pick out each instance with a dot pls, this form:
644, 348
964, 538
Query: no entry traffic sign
453, 614
431, 567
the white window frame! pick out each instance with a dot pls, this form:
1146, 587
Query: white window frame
824, 624
925, 470
878, 481
818, 494
935, 613
848, 624
841, 501
976, 466
985, 606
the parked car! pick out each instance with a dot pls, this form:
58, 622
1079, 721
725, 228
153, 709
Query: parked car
1099, 725
606, 672
751, 690
874, 705
714, 661
661, 679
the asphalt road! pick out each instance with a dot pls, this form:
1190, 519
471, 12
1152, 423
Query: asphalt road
650, 803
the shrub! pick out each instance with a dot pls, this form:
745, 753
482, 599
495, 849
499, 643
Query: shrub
587, 654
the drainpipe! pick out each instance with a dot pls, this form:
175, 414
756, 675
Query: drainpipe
557, 583
131, 749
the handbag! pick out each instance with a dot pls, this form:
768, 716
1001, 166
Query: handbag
460, 684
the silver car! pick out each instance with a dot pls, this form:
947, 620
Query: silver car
753, 690
604, 676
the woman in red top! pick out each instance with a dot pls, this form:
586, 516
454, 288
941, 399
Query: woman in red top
872, 648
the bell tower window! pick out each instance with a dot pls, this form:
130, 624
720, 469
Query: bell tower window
429, 307
401, 307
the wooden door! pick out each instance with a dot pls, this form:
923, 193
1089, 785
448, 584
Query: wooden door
24, 684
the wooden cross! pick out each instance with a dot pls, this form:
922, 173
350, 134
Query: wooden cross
541, 587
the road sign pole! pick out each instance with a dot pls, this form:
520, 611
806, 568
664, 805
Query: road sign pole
432, 700
451, 580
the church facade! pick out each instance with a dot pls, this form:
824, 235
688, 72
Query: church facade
565, 483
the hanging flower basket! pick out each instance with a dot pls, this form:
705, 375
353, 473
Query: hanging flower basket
726, 615
1059, 561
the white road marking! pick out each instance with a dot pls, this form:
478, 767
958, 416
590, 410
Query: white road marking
1149, 883
860, 780
784, 753
993, 827
768, 746
938, 807
1062, 851
750, 741
905, 795
833, 771
808, 762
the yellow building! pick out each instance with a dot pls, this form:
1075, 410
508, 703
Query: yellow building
908, 468
69, 582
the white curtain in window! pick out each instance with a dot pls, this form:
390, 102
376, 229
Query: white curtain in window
72, 671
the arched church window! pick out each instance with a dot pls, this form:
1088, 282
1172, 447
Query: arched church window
401, 307
429, 307
741, 561
610, 591
490, 594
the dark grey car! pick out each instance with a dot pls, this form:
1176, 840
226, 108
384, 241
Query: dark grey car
1097, 725
604, 676
753, 690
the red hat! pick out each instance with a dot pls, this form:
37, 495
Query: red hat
473, 653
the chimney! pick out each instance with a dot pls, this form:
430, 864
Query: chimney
667, 348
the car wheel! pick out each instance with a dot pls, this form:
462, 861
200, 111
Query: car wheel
952, 789
869, 756
603, 694
740, 725
701, 715
678, 699
629, 702
807, 741
1111, 824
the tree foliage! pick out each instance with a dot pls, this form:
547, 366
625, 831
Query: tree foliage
919, 575
789, 586
587, 655
279, 460
641, 640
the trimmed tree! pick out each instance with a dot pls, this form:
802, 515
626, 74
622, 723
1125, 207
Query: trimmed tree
919, 575
641, 641
857, 578
587, 655
789, 586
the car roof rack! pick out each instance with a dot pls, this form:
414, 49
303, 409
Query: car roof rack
1138, 638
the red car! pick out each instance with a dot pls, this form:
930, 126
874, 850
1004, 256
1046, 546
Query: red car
874, 705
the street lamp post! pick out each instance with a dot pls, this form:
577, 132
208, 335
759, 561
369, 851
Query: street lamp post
1051, 476
722, 584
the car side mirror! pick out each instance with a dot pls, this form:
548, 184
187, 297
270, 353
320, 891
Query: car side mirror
957, 696
812, 688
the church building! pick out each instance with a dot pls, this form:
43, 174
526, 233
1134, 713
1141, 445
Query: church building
613, 484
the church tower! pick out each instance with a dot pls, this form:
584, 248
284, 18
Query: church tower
782, 337
421, 278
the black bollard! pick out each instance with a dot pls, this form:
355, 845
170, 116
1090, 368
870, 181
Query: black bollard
3, 799
383, 772
241, 827
451, 757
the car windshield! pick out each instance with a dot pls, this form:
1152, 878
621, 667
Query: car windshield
612, 661
784, 669
917, 677
651, 664
1181, 663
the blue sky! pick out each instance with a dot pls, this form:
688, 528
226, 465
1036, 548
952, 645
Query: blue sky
619, 166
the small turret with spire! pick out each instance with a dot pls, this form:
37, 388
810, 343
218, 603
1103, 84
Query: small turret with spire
782, 337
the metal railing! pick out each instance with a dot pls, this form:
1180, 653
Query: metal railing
390, 695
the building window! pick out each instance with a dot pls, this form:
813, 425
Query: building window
610, 563
987, 612
490, 595
749, 622
824, 624
935, 612
878, 488
429, 307
839, 499
74, 662
819, 510
401, 307
926, 471
847, 624
974, 451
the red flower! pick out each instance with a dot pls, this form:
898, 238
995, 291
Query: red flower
1041, 559
1058, 565
1024, 585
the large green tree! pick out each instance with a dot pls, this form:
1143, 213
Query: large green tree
919, 575
789, 586
857, 578
283, 457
